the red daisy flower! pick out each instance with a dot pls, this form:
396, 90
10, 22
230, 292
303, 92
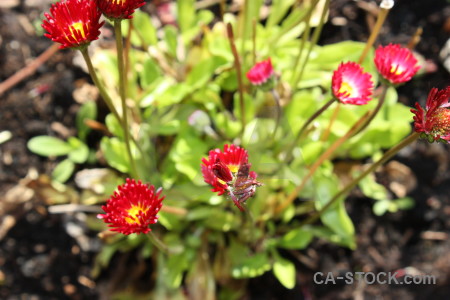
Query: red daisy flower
132, 208
229, 171
261, 72
73, 23
229, 161
119, 9
396, 64
351, 85
434, 121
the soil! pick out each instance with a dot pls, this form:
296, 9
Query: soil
39, 259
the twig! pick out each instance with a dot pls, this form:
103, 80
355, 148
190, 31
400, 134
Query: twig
28, 70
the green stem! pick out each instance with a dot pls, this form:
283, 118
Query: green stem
98, 83
122, 92
376, 110
276, 97
326, 155
314, 40
376, 30
305, 37
307, 123
157, 242
286, 29
237, 65
389, 154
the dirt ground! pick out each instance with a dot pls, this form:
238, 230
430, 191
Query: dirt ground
40, 259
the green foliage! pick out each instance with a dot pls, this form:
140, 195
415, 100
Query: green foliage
184, 99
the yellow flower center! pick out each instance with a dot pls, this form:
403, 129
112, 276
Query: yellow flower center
346, 89
133, 213
233, 168
117, 2
77, 26
397, 69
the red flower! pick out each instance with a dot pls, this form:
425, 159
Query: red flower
434, 121
351, 85
261, 72
396, 64
222, 164
73, 23
133, 208
119, 9
229, 171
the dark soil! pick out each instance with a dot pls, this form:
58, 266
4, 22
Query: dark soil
40, 260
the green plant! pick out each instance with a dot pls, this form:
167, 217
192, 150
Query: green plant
183, 92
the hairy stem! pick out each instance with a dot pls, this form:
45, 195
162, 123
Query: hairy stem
307, 123
122, 92
319, 162
389, 154
376, 110
276, 97
99, 84
237, 65
374, 34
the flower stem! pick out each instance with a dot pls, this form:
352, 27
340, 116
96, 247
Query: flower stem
122, 92
314, 40
237, 65
376, 30
389, 154
99, 84
276, 97
319, 162
307, 123
327, 132
158, 243
376, 110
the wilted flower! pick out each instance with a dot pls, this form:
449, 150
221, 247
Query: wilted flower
396, 64
132, 208
229, 171
119, 9
351, 85
261, 73
73, 23
434, 121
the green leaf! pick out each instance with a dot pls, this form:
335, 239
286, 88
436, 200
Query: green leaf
203, 71
176, 265
88, 111
114, 126
63, 171
251, 12
48, 146
186, 14
80, 152
381, 207
405, 203
187, 152
335, 217
249, 107
296, 239
222, 220
251, 266
145, 29
284, 271
171, 38
373, 189
115, 153
278, 10
175, 94
150, 73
